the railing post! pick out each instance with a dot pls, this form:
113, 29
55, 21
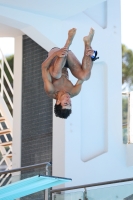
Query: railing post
85, 195
47, 192
54, 196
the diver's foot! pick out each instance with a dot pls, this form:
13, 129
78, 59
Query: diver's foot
88, 39
71, 34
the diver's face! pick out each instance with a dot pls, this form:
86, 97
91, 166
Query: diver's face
65, 101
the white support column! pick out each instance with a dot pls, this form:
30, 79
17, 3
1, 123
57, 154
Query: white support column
58, 154
17, 103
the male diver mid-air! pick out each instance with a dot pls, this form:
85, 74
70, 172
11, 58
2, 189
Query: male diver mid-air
55, 74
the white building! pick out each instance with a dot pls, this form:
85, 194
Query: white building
88, 146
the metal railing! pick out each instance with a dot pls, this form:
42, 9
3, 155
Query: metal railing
6, 92
47, 164
57, 192
91, 185
4, 79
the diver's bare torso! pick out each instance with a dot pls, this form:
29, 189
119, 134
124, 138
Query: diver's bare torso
63, 83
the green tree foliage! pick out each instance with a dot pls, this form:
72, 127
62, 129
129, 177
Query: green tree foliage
127, 66
124, 109
10, 60
125, 118
127, 80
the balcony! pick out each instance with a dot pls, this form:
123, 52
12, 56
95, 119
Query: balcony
111, 190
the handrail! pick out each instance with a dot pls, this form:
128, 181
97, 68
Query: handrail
124, 125
26, 168
8, 97
4, 78
8, 83
125, 93
8, 67
91, 185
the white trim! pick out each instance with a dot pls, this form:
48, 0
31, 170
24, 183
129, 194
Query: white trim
17, 103
58, 147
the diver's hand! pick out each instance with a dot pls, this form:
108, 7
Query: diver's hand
62, 52
89, 51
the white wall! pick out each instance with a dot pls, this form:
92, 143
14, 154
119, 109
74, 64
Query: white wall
94, 150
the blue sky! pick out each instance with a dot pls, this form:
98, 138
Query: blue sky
7, 44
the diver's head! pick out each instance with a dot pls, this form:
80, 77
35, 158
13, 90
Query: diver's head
63, 106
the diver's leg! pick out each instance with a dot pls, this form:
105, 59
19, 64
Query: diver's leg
60, 60
82, 71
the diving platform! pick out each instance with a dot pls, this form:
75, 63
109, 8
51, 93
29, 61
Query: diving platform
22, 183
29, 186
